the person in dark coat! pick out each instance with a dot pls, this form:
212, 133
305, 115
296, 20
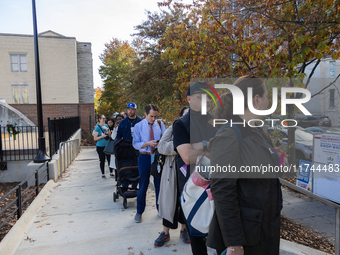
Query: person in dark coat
248, 205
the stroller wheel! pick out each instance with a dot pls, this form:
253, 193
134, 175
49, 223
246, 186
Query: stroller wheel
114, 196
125, 203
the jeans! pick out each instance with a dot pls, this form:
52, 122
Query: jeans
144, 165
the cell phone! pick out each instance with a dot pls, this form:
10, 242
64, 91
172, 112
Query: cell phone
157, 141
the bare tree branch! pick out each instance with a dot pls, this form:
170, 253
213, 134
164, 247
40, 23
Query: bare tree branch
326, 86
312, 72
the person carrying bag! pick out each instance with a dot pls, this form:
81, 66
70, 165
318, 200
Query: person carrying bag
196, 199
157, 160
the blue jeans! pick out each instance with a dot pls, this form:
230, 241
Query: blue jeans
144, 165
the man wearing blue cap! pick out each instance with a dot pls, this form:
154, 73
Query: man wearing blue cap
125, 130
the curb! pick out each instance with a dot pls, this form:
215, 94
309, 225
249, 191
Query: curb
14, 237
290, 248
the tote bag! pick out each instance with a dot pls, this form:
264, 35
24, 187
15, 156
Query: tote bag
196, 199
109, 148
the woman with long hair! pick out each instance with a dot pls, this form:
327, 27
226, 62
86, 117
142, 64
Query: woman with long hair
169, 206
101, 135
248, 205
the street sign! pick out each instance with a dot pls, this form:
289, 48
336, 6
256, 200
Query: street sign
303, 174
326, 166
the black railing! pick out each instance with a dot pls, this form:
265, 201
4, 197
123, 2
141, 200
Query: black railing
60, 130
19, 145
23, 193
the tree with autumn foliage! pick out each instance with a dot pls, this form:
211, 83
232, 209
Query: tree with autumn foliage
268, 38
117, 59
98, 94
137, 73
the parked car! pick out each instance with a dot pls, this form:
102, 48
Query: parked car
316, 130
313, 121
303, 141
333, 130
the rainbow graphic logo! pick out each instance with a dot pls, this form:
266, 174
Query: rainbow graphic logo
209, 93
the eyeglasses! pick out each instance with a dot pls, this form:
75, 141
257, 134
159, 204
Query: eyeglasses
103, 118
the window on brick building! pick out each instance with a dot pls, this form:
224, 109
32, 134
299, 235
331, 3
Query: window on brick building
332, 68
18, 62
20, 94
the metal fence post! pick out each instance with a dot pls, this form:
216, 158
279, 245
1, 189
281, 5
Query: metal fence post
48, 171
90, 125
337, 231
49, 135
19, 208
36, 182
61, 160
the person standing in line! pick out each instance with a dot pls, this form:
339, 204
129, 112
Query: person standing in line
100, 135
113, 137
191, 133
146, 136
111, 123
168, 200
124, 114
247, 205
125, 131
125, 128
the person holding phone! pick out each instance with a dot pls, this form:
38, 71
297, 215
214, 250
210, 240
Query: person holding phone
101, 135
146, 135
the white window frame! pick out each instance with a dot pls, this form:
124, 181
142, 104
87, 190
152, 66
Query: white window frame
19, 63
20, 85
332, 68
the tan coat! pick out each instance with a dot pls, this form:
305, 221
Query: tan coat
168, 189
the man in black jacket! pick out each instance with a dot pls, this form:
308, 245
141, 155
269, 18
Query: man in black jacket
191, 135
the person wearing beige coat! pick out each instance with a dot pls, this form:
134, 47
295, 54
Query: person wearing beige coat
168, 190
168, 200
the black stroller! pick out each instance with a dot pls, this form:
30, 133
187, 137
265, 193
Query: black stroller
127, 169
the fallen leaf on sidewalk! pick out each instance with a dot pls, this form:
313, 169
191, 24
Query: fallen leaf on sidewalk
29, 239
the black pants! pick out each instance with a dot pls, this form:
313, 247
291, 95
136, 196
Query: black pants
102, 156
178, 217
198, 246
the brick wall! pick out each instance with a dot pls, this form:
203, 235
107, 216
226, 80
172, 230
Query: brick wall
85, 110
60, 110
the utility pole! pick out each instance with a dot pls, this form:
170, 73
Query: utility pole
41, 157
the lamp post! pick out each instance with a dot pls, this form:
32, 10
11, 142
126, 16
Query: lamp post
41, 157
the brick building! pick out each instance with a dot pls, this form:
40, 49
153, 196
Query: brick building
66, 76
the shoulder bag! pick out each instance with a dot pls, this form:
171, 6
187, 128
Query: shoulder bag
157, 160
196, 199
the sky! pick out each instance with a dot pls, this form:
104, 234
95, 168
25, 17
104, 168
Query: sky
94, 21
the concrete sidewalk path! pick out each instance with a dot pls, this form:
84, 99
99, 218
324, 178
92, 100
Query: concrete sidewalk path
80, 217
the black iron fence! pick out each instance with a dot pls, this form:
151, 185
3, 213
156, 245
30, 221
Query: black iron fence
21, 195
18, 143
60, 130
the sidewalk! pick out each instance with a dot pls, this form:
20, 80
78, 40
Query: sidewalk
310, 213
80, 217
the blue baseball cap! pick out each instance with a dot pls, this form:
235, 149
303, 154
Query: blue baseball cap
132, 105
